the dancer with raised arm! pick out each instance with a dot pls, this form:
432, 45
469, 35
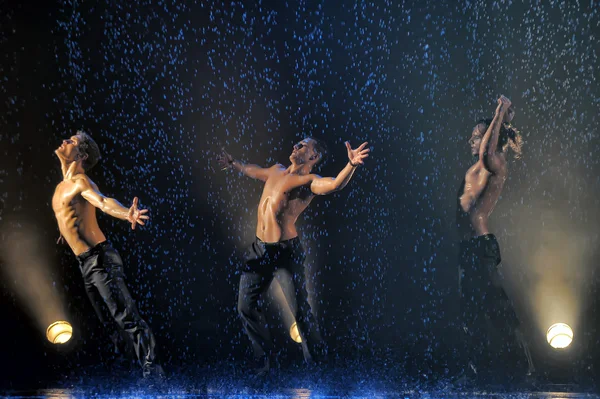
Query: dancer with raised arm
486, 311
277, 252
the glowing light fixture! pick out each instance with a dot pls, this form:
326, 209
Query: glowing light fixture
295, 333
59, 332
559, 335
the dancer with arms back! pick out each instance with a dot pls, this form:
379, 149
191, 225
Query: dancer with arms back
75, 201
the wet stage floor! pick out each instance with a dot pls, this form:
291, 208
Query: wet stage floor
318, 390
298, 393
232, 381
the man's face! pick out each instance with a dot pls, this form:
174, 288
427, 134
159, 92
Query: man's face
475, 140
304, 152
69, 149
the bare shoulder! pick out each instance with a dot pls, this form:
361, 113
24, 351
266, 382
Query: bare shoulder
275, 169
84, 182
311, 178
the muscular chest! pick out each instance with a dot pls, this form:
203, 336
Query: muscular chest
284, 190
66, 194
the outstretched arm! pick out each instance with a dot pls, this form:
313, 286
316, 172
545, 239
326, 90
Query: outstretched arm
328, 185
90, 192
226, 161
489, 143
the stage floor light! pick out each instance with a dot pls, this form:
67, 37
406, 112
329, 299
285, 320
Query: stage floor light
59, 332
295, 333
559, 335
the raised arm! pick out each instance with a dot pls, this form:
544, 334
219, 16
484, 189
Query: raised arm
328, 185
90, 192
226, 161
489, 143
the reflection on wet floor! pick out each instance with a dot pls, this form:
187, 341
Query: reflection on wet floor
299, 393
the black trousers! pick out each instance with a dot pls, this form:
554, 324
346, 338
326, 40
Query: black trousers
102, 270
284, 261
488, 317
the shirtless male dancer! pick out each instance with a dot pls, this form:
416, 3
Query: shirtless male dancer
487, 313
277, 251
74, 203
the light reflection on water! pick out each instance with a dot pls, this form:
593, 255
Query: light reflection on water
298, 393
80, 394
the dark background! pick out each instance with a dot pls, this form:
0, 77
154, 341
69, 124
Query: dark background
163, 85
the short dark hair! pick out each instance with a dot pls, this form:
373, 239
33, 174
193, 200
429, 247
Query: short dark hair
508, 135
320, 148
87, 146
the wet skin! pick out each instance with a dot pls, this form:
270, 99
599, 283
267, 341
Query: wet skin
287, 192
76, 198
485, 180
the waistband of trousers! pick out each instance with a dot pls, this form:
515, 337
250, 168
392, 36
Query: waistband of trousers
96, 249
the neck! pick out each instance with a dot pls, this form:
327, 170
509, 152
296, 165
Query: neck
299, 169
70, 169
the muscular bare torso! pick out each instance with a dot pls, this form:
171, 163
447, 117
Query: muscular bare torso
285, 196
479, 179
75, 216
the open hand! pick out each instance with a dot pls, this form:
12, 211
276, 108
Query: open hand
356, 156
136, 215
224, 160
